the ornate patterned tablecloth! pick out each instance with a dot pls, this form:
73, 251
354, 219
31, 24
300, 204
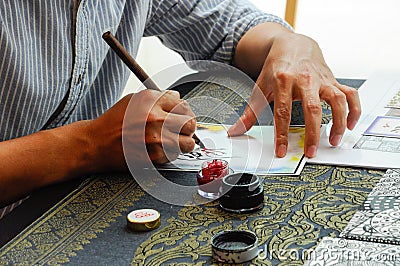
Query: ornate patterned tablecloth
89, 225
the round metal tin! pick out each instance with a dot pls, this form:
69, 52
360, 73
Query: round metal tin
143, 220
236, 246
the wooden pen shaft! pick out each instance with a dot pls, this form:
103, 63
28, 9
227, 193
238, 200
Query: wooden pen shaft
129, 61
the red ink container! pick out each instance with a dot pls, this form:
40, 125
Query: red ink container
209, 178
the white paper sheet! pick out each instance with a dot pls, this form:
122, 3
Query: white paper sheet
252, 152
375, 94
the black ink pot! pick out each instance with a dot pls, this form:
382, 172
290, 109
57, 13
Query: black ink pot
241, 193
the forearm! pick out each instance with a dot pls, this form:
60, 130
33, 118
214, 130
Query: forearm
44, 158
95, 146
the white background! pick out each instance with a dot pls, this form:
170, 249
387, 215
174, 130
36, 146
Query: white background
358, 37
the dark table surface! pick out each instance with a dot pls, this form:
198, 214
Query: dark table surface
83, 221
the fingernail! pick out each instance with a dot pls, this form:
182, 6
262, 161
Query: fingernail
281, 152
335, 140
311, 151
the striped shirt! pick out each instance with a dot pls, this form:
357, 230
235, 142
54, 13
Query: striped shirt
53, 50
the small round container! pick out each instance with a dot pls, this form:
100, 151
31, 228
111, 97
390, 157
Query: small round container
210, 176
241, 193
234, 246
143, 220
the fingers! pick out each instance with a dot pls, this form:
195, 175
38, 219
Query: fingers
169, 126
253, 109
312, 116
176, 134
168, 101
172, 103
354, 104
168, 146
186, 143
282, 112
179, 116
337, 100
181, 124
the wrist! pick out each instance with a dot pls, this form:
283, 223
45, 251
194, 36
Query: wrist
254, 47
80, 148
104, 151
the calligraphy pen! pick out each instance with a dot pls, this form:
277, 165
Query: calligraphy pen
136, 69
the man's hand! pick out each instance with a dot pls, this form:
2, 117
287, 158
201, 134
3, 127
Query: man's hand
153, 125
292, 68
162, 122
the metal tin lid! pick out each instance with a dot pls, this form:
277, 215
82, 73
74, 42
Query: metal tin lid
143, 220
236, 246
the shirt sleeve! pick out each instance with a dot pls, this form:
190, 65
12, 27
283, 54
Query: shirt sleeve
204, 29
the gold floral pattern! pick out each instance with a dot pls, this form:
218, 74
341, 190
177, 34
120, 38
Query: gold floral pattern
298, 212
72, 223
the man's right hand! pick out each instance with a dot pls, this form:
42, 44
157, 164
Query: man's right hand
157, 122
155, 125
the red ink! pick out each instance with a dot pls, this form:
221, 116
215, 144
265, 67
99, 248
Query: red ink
213, 170
143, 214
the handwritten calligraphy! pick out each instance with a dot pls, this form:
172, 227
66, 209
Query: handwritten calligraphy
204, 154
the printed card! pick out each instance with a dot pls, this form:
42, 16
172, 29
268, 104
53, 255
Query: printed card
339, 251
395, 101
393, 112
384, 126
376, 143
379, 218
